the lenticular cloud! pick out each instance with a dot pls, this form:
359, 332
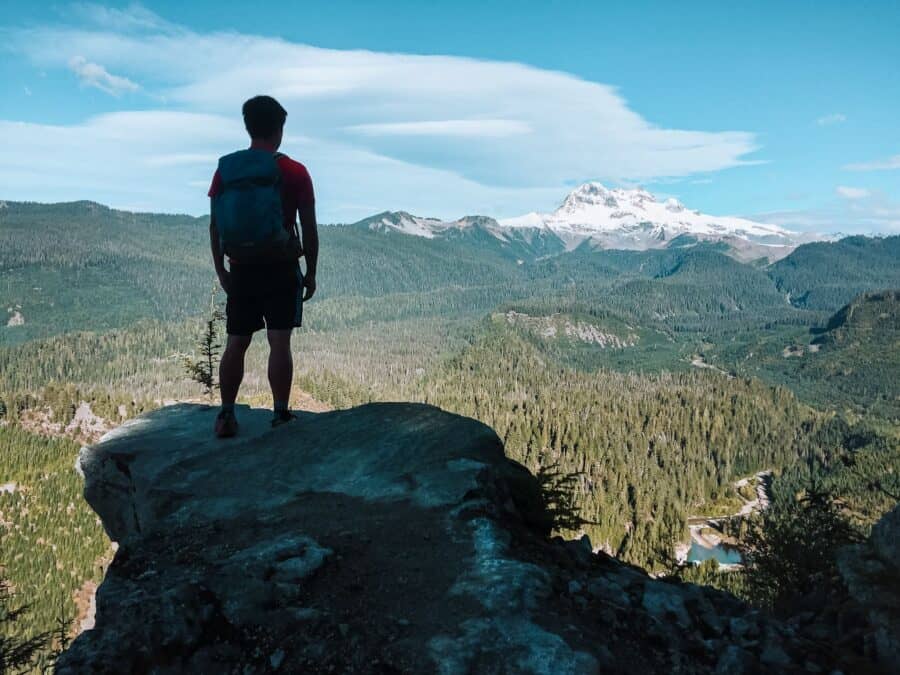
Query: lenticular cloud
490, 131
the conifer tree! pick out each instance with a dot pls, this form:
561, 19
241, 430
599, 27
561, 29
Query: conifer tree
17, 653
203, 370
791, 548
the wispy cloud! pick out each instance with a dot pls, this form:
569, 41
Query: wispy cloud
463, 128
508, 136
872, 212
139, 159
182, 159
94, 75
829, 120
852, 192
886, 164
134, 17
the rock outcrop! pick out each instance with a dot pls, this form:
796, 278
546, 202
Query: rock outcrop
389, 538
871, 572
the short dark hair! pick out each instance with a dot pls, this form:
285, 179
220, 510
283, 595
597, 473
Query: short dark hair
263, 116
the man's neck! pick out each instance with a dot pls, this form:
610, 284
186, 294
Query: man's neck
259, 144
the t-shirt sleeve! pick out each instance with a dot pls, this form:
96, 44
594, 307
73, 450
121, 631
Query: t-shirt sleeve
216, 184
304, 186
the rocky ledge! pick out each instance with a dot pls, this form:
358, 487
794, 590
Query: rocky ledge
389, 538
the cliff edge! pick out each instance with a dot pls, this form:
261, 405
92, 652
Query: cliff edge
389, 538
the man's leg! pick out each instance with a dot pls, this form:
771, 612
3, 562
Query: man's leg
281, 367
231, 372
231, 368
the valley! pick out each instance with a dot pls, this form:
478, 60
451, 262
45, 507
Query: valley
657, 378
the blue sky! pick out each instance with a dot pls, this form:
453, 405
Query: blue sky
786, 112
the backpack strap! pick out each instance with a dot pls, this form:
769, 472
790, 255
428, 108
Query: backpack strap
296, 233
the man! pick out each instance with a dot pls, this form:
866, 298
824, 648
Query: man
263, 290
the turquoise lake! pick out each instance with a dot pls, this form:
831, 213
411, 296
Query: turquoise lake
726, 555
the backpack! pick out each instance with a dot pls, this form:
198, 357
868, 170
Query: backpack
248, 210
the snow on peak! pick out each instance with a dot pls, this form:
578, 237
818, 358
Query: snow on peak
634, 218
406, 223
674, 205
597, 194
531, 219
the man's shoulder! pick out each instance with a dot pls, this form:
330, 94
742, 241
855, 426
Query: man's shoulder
291, 166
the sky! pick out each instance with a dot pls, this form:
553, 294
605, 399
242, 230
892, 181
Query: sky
782, 112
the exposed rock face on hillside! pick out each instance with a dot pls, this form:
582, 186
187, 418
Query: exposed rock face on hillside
389, 538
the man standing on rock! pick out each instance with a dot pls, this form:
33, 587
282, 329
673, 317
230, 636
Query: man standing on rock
255, 197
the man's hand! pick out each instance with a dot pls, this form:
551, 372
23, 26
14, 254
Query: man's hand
225, 280
310, 245
309, 283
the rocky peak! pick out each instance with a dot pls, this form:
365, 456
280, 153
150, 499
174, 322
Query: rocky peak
597, 194
477, 221
389, 538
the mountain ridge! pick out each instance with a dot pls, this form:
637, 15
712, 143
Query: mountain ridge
612, 219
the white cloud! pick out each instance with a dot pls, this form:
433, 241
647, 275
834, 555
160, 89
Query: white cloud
877, 165
27, 91
134, 17
103, 158
466, 128
833, 118
94, 75
137, 159
852, 192
182, 159
506, 137
872, 213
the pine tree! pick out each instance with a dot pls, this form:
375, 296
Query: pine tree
203, 370
17, 653
791, 548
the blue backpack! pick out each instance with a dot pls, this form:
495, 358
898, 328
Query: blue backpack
248, 209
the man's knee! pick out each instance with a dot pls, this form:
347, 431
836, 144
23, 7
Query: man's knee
236, 345
279, 340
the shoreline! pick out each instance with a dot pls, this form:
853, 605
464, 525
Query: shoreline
713, 540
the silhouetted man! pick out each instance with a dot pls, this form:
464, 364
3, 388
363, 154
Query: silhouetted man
255, 197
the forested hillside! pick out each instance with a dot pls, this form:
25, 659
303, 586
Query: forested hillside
855, 352
846, 362
52, 543
84, 266
650, 449
828, 275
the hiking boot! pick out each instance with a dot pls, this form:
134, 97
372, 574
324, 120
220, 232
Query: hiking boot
282, 417
226, 424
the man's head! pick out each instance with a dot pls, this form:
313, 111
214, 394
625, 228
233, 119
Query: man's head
264, 118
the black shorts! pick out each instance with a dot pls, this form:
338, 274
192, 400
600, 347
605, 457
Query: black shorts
264, 296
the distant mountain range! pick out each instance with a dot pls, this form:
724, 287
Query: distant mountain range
604, 218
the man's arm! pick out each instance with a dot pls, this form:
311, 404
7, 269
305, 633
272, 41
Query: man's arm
217, 255
310, 234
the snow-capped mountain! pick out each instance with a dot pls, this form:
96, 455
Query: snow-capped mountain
635, 219
406, 223
610, 219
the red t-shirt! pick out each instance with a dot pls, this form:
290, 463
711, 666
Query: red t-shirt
296, 189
